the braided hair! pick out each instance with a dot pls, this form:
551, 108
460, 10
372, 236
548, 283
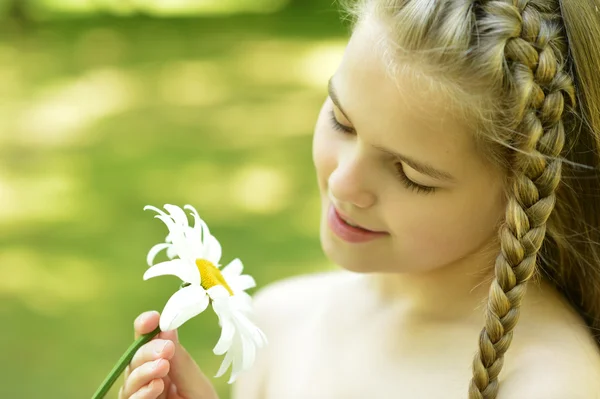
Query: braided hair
526, 45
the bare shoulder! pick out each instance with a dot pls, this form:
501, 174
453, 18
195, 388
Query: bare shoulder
286, 300
554, 355
278, 307
557, 375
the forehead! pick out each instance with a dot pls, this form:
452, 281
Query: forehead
401, 108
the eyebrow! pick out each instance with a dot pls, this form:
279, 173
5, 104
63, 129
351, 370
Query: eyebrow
421, 167
335, 99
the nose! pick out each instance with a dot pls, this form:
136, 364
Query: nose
348, 183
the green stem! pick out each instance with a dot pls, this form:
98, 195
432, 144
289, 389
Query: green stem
122, 363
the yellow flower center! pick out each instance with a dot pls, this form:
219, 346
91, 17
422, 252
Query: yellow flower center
210, 275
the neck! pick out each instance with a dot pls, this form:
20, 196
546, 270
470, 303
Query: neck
455, 292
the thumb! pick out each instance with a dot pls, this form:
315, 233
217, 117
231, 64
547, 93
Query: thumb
171, 335
185, 374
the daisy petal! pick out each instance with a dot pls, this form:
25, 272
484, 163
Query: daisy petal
194, 235
177, 214
241, 283
225, 365
233, 269
264, 341
174, 228
213, 249
171, 253
218, 293
155, 209
199, 224
176, 267
177, 236
154, 251
249, 329
248, 352
237, 365
186, 303
197, 219
243, 302
226, 338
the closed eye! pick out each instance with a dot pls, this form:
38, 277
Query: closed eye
337, 125
409, 184
398, 169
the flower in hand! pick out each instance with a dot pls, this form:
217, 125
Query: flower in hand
194, 255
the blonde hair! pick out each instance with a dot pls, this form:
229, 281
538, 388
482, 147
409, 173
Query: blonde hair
531, 67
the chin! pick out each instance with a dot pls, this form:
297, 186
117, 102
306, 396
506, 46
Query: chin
346, 258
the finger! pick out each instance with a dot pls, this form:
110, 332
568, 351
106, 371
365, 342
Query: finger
145, 323
150, 391
167, 385
142, 375
155, 349
171, 335
173, 392
188, 377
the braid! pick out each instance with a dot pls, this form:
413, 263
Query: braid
528, 52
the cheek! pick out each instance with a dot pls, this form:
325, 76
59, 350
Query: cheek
430, 235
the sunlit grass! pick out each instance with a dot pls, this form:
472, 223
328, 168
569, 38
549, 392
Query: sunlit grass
194, 83
49, 285
63, 113
44, 197
98, 119
259, 189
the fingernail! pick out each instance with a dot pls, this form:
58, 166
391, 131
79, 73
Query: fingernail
156, 363
151, 385
141, 319
146, 316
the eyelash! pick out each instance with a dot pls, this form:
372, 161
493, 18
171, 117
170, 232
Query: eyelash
399, 171
411, 185
338, 126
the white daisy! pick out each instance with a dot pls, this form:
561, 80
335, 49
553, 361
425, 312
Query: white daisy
197, 265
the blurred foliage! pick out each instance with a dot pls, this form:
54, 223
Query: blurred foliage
101, 116
51, 9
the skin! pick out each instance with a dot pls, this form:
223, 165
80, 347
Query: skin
402, 317
440, 240
163, 368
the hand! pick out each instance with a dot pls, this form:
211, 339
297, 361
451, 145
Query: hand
162, 368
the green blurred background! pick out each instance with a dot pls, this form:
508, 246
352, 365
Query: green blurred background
109, 105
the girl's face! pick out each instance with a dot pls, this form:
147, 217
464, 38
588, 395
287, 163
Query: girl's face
394, 159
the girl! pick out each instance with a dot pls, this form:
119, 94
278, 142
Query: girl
446, 123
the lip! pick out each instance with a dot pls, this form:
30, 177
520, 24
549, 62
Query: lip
349, 233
